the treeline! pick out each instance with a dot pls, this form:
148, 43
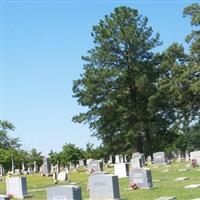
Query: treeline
10, 149
138, 99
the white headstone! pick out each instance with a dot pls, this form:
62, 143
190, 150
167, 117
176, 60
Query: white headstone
136, 163
139, 155
195, 155
1, 170
179, 156
95, 166
35, 168
17, 187
117, 159
121, 170
187, 156
62, 176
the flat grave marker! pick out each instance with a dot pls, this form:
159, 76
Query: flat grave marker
192, 186
166, 198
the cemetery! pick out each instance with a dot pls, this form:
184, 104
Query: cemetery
136, 132
78, 184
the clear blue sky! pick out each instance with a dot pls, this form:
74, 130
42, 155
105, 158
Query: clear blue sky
42, 45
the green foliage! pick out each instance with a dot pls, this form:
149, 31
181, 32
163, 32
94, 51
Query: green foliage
35, 156
119, 87
70, 154
193, 137
7, 142
54, 157
95, 153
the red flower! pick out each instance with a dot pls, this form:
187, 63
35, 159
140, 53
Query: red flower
133, 186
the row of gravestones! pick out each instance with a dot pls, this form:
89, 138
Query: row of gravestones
101, 186
158, 157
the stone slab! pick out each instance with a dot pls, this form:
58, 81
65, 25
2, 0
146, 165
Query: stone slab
192, 186
181, 178
156, 180
165, 171
166, 198
183, 170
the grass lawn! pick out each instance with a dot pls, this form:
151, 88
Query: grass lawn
164, 184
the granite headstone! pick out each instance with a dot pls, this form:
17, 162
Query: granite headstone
141, 177
103, 186
64, 192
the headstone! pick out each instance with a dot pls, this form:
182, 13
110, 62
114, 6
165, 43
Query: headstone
4, 197
121, 158
17, 171
1, 170
121, 170
58, 167
46, 166
25, 172
179, 156
136, 163
62, 176
195, 155
173, 155
88, 161
71, 166
117, 159
110, 161
41, 169
81, 163
52, 168
23, 166
67, 170
139, 155
64, 192
35, 168
13, 165
95, 166
141, 177
126, 158
187, 156
29, 170
16, 186
159, 158
149, 159
103, 186
55, 176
